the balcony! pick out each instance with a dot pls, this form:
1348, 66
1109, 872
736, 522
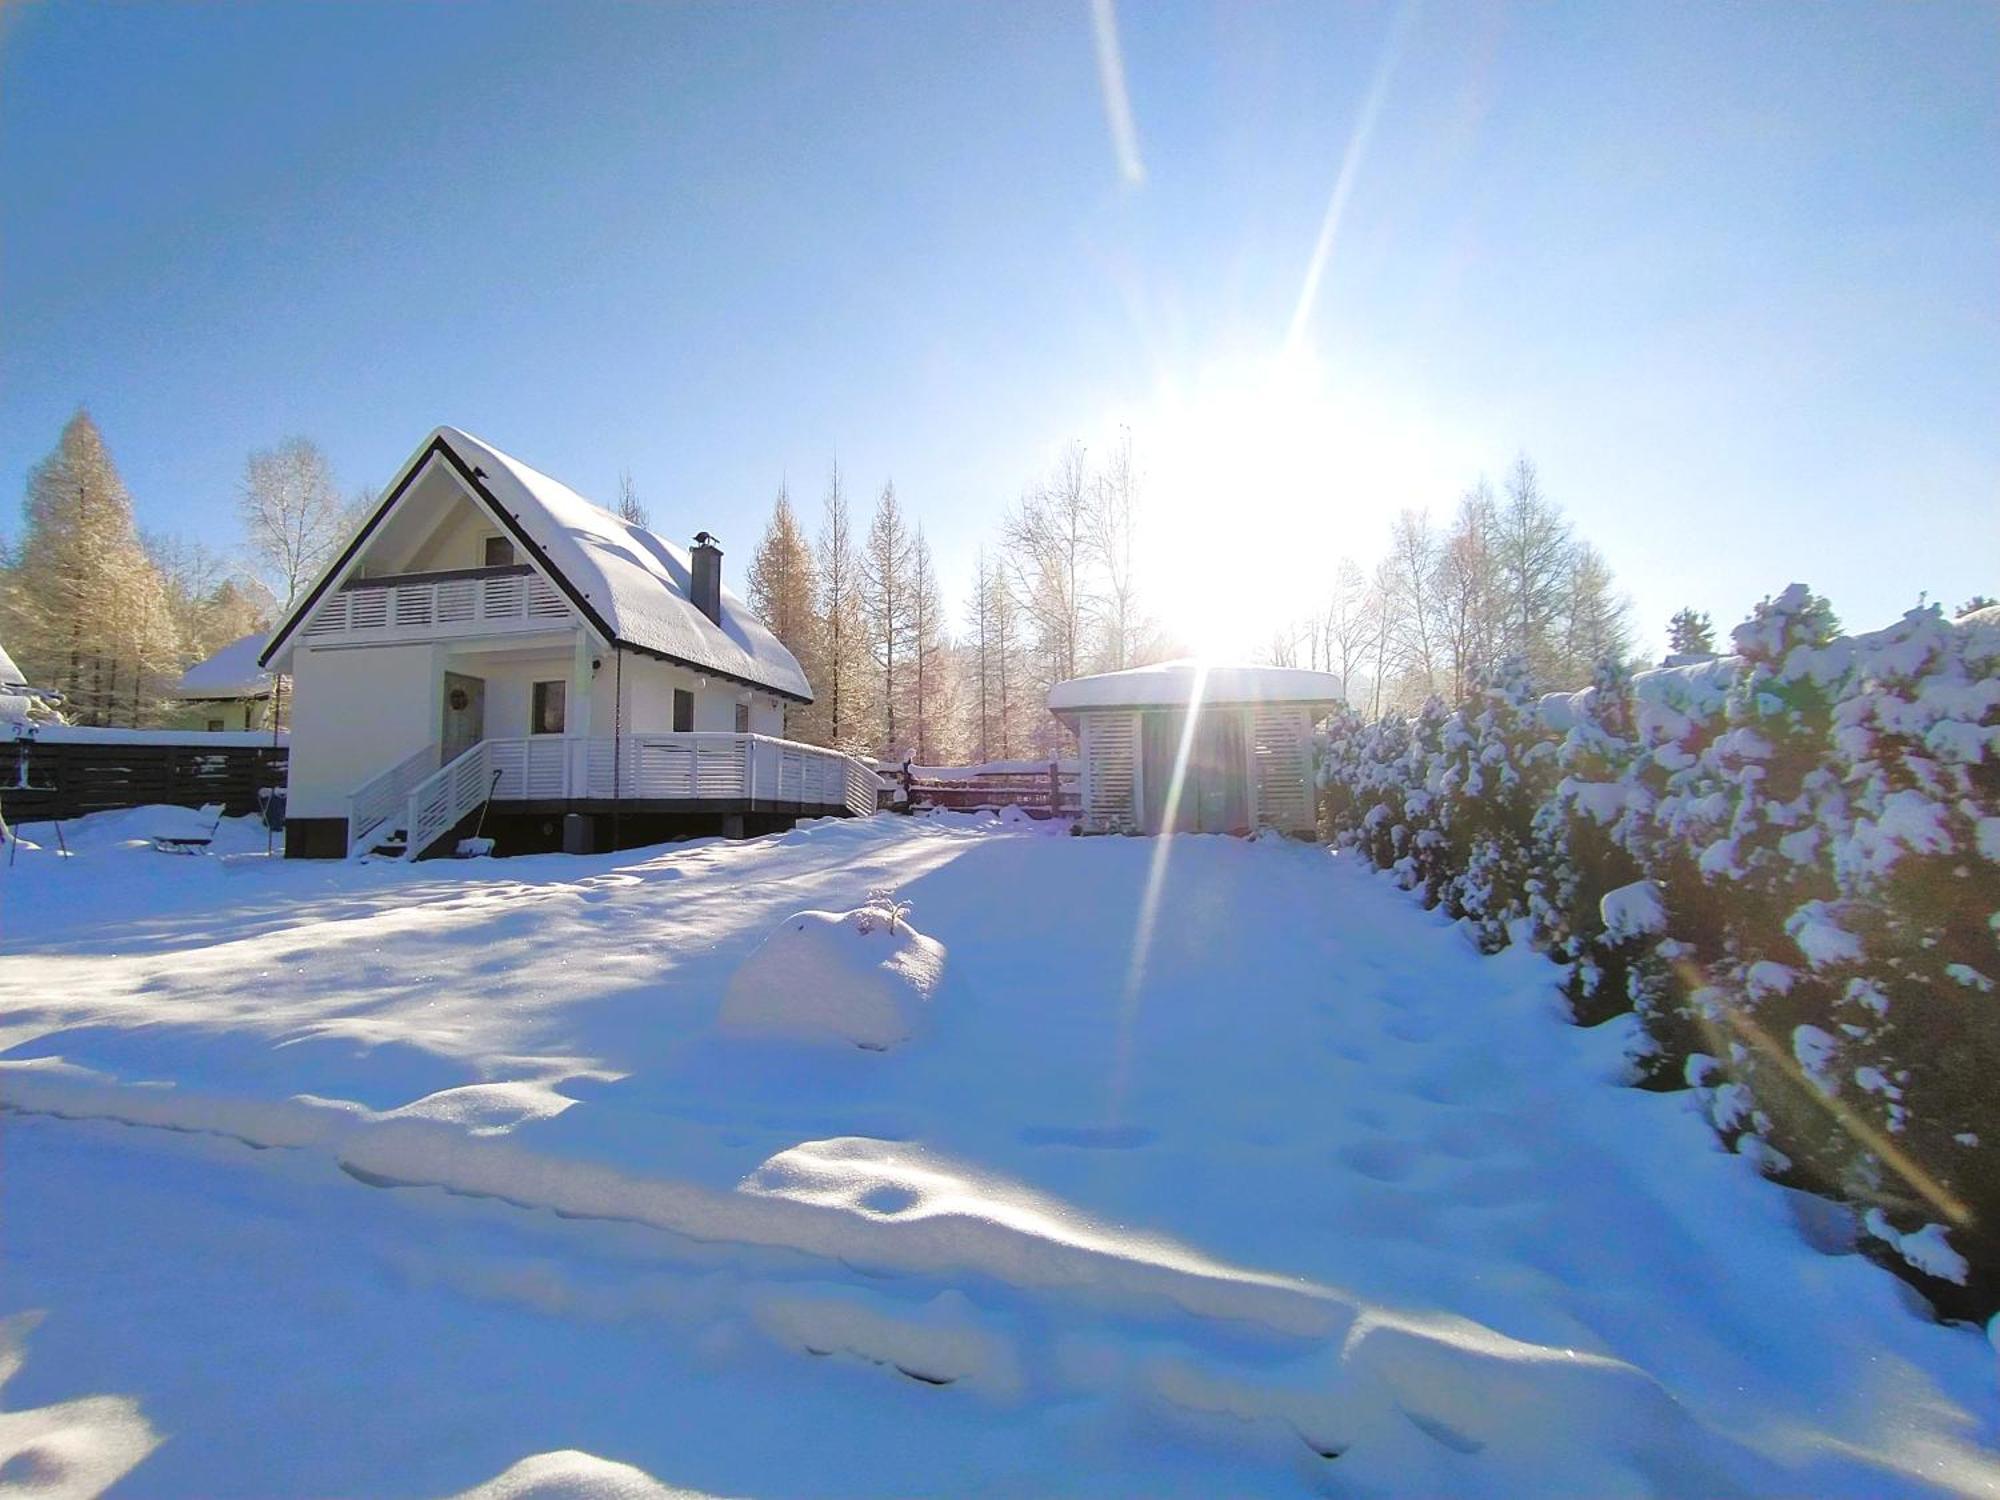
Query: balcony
427, 606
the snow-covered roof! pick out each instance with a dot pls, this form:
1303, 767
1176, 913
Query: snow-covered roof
1172, 684
633, 585
231, 673
10, 675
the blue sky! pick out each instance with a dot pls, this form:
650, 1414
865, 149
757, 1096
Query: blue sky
1730, 274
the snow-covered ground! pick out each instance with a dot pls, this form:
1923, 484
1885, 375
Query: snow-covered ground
330, 1179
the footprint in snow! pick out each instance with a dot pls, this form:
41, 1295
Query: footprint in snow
1382, 1159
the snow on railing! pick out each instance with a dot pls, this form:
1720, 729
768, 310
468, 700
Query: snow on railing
514, 599
380, 798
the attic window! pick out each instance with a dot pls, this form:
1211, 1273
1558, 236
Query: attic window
683, 711
499, 552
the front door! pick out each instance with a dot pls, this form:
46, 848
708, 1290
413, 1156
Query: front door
464, 714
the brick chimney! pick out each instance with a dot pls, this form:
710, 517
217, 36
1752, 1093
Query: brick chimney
707, 579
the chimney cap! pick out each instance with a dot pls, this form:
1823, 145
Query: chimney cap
706, 539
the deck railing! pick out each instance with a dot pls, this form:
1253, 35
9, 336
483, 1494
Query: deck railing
634, 767
515, 598
375, 803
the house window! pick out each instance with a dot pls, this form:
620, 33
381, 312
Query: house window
683, 710
742, 718
548, 709
214, 725
499, 552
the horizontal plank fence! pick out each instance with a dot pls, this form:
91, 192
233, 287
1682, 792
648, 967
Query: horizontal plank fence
1042, 793
67, 778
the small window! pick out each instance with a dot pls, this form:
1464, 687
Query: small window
548, 710
500, 554
683, 710
214, 726
742, 718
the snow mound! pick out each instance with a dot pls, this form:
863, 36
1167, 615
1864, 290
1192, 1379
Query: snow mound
864, 976
571, 1474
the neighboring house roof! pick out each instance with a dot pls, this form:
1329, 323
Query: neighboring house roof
231, 673
1175, 684
10, 675
630, 584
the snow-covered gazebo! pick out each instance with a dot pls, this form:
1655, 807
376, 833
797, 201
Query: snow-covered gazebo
228, 690
1248, 754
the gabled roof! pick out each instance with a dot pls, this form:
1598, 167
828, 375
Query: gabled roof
1174, 684
10, 675
630, 584
231, 673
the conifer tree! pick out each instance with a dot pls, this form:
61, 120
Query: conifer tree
1690, 634
87, 612
840, 713
932, 685
783, 590
886, 595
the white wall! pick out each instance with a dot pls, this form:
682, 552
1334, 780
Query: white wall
355, 713
649, 699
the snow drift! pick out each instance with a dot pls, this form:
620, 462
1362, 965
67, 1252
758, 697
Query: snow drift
863, 976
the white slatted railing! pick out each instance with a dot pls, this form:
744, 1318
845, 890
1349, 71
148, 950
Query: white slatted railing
680, 767
437, 802
372, 806
438, 606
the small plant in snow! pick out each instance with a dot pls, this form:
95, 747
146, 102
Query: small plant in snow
883, 906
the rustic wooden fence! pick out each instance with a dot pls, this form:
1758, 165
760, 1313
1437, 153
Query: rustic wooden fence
1043, 791
67, 773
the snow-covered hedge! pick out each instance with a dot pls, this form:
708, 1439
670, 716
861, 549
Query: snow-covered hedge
1786, 862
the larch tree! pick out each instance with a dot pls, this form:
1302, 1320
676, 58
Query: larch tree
1595, 629
87, 613
932, 672
840, 713
979, 655
293, 517
886, 557
1006, 671
784, 589
1532, 557
1469, 594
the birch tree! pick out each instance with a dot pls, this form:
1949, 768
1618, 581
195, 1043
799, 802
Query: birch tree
293, 518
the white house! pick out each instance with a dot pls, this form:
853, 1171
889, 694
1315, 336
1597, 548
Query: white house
1238, 738
229, 691
490, 637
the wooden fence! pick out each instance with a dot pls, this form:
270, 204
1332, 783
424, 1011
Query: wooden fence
73, 772
1042, 791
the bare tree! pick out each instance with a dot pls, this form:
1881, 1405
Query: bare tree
885, 586
840, 709
1351, 624
1532, 555
292, 514
1048, 539
1413, 559
1115, 609
630, 510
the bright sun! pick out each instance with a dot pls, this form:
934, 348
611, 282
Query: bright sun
1258, 475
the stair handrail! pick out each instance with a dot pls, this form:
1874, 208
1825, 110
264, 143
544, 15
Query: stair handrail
428, 816
382, 796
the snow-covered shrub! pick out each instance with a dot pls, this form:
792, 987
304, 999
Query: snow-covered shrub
864, 976
1785, 861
